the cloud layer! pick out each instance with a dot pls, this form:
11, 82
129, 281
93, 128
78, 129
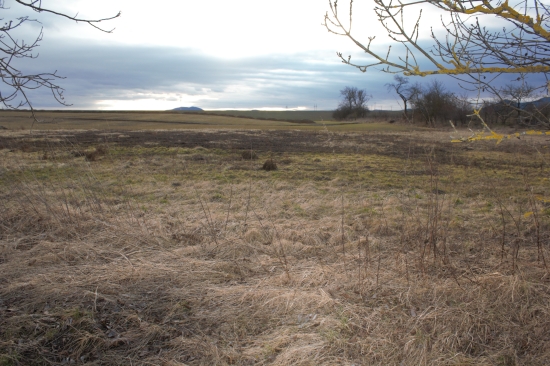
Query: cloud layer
99, 76
244, 55
107, 76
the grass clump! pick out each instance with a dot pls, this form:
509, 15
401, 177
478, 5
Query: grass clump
269, 165
93, 155
249, 155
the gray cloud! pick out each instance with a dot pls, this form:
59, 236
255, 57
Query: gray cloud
96, 72
119, 72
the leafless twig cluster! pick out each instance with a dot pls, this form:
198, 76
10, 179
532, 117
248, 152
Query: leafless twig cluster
14, 93
478, 40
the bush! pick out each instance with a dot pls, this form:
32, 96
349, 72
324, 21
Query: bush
269, 165
346, 113
91, 156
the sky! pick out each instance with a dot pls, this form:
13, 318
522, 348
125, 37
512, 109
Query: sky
214, 54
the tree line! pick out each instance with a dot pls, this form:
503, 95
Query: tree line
433, 105
466, 45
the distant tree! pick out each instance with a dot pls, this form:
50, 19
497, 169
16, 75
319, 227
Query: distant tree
469, 43
462, 109
517, 102
402, 89
538, 111
14, 94
435, 104
517, 94
353, 104
361, 100
348, 97
497, 112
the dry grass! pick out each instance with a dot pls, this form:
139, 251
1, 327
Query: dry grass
147, 256
249, 155
269, 165
169, 120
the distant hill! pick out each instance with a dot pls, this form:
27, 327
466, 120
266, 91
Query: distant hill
194, 109
542, 102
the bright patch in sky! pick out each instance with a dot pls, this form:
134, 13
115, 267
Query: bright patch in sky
233, 29
134, 104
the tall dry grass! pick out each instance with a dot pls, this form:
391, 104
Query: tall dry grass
264, 271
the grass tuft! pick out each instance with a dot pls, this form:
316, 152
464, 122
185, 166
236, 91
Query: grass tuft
249, 155
269, 165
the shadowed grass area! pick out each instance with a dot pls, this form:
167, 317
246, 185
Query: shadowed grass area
379, 248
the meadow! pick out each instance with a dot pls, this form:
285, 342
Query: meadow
158, 239
168, 120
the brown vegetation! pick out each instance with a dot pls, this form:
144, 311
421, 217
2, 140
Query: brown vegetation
249, 155
93, 155
237, 120
388, 249
269, 165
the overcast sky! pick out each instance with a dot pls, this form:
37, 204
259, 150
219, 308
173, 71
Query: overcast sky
214, 54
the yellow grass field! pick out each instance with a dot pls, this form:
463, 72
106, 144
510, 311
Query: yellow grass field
158, 239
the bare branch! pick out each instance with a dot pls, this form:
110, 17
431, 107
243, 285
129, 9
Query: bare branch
466, 46
36, 5
16, 83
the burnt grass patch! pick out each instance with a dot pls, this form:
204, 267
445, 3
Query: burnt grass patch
279, 141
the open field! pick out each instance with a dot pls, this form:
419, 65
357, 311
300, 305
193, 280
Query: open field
321, 116
296, 115
172, 247
128, 120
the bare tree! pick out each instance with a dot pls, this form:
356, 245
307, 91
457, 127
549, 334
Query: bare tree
435, 104
348, 95
14, 93
468, 45
517, 94
497, 111
361, 99
353, 104
401, 88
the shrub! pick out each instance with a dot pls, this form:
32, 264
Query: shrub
347, 113
269, 165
